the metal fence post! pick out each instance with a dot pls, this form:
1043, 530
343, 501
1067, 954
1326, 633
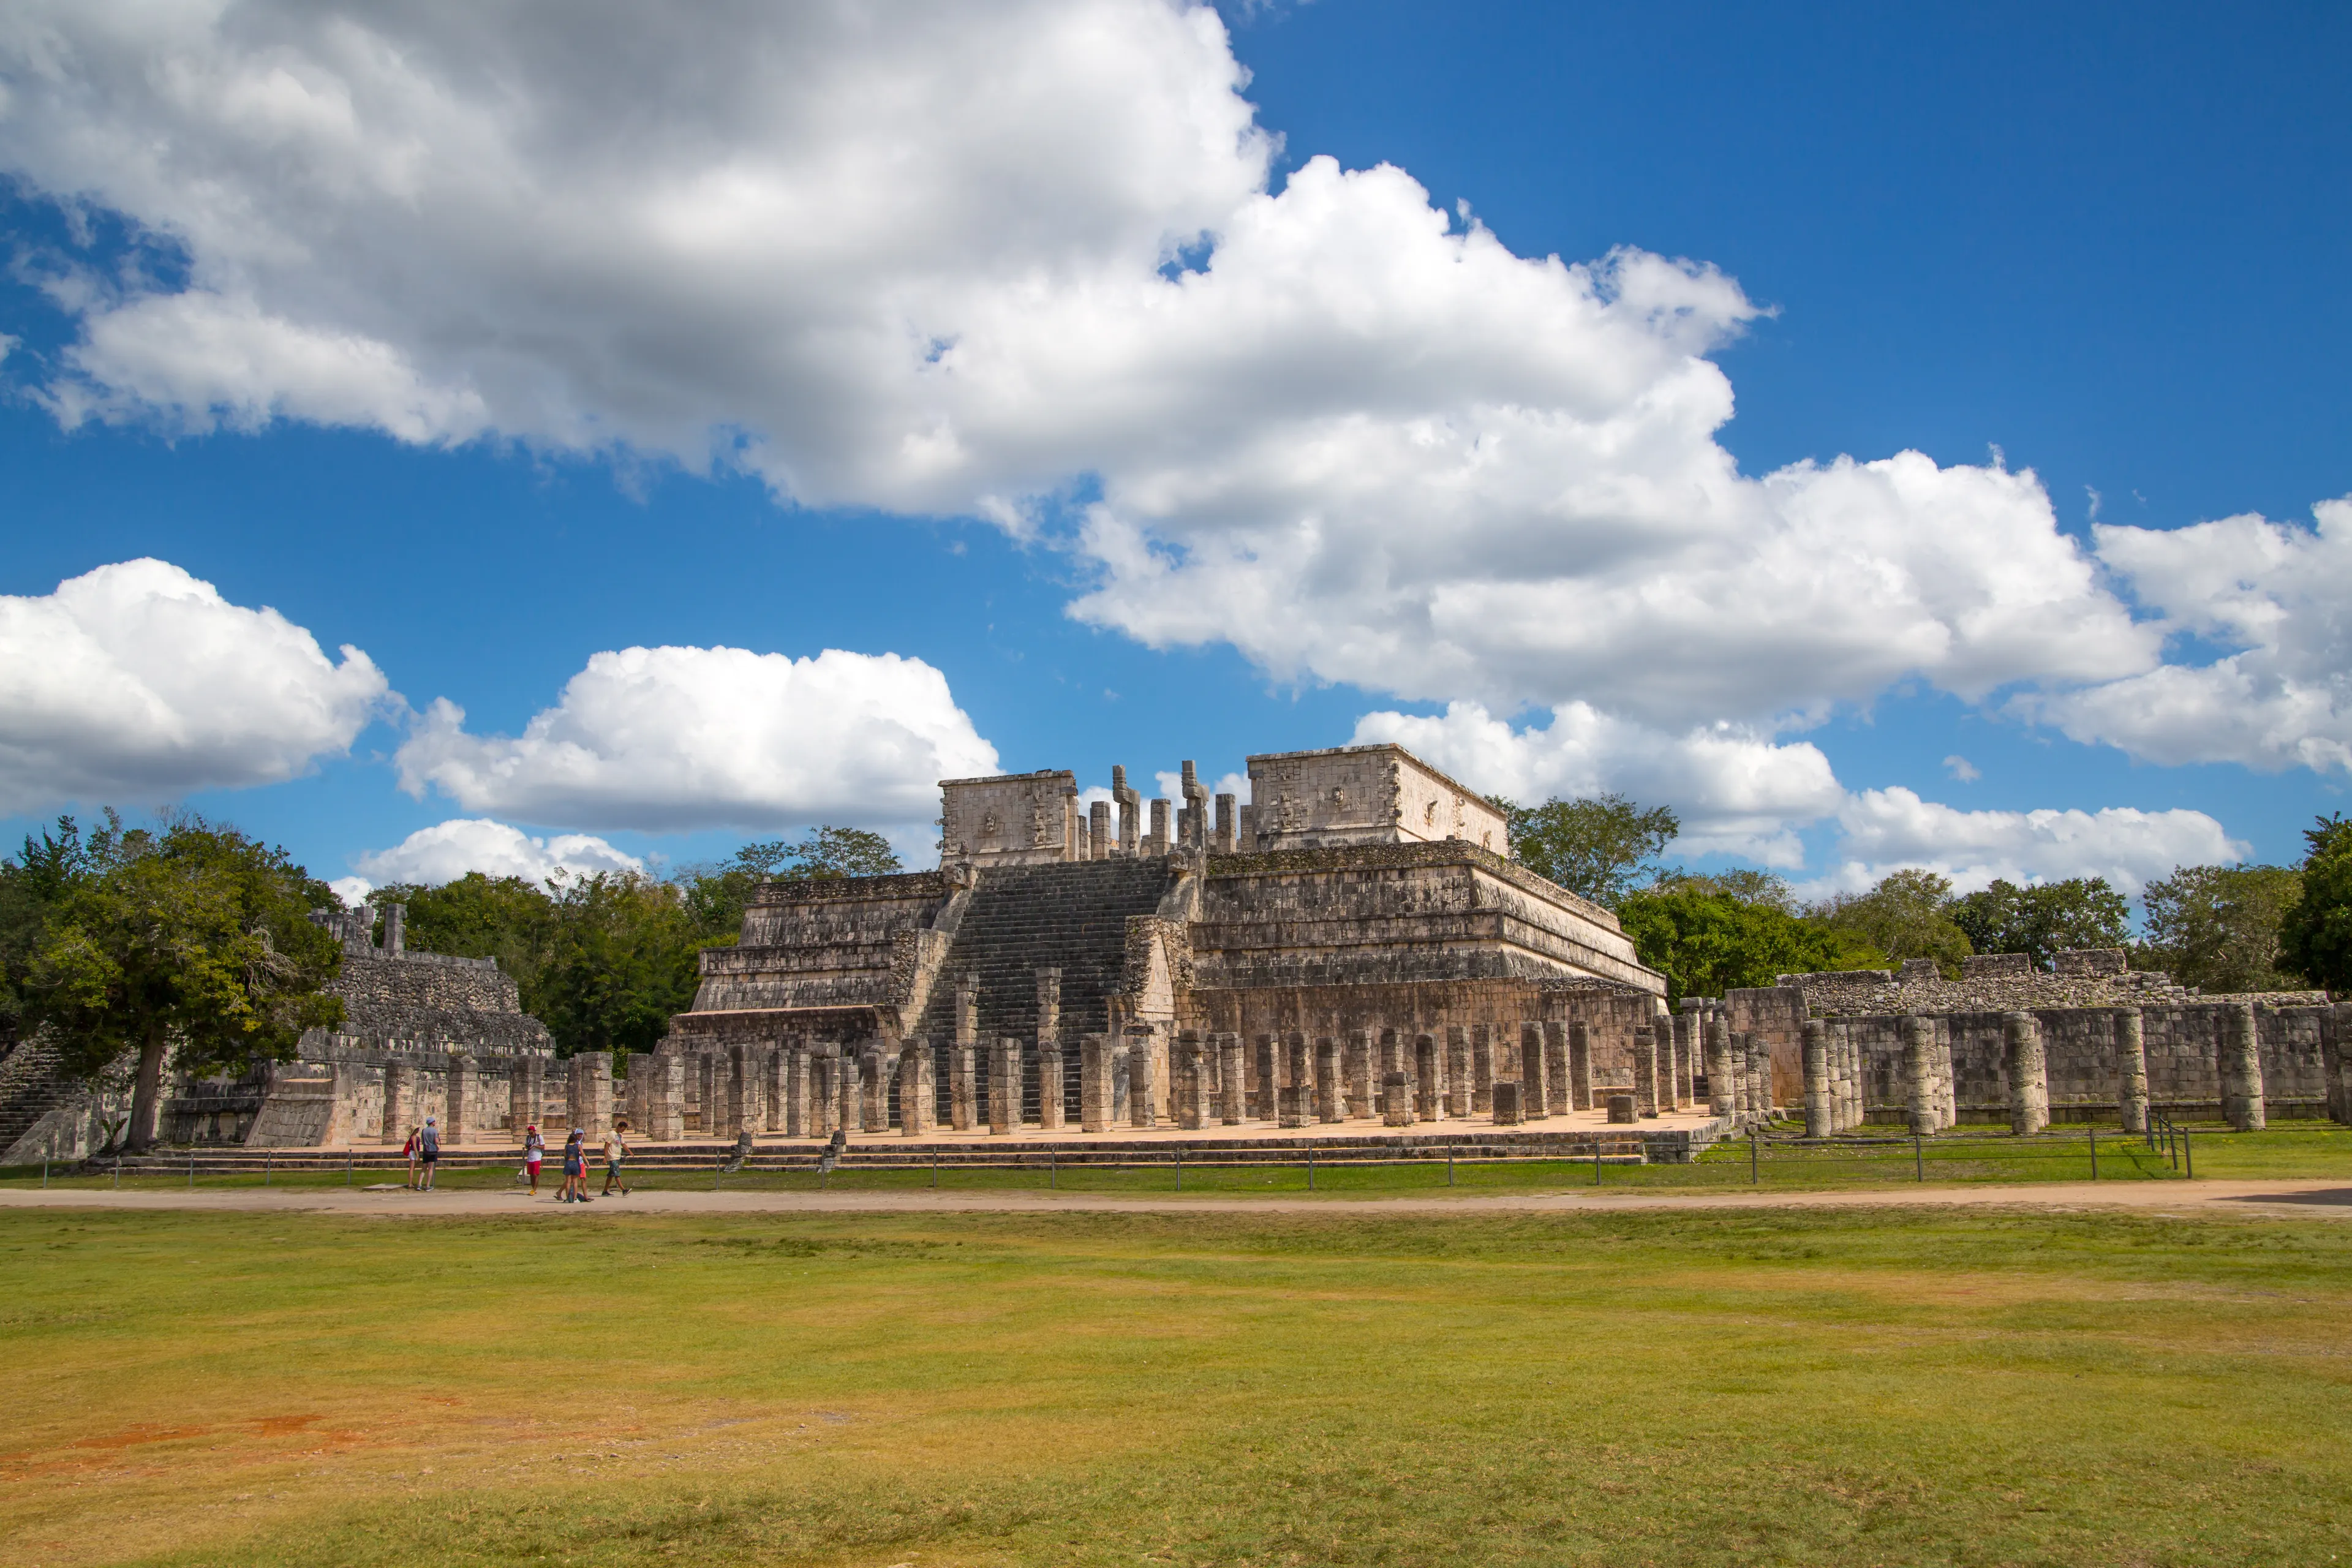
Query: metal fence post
45, 1175
1310, 1167
717, 1167
192, 1170
1449, 1164
935, 1170
1596, 1159
1918, 1157
1755, 1159
1180, 1171
268, 1164
2187, 1156
2094, 1154
347, 1166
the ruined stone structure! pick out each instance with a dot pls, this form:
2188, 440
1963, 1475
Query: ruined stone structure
1357, 924
2006, 1042
424, 1035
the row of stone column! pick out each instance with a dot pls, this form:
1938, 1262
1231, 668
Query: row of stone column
1738, 1072
588, 1096
1832, 1068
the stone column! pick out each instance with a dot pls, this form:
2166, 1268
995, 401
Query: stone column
852, 1091
1053, 1085
796, 1089
2241, 1070
1122, 1080
1391, 1061
1268, 1076
917, 1102
1004, 1087
1947, 1101
1360, 1072
1819, 1094
1482, 1069
2131, 1070
821, 1098
399, 1101
1918, 1070
742, 1082
1396, 1100
1192, 1085
1457, 1071
1646, 1069
1129, 803
1535, 1095
525, 1079
1507, 1103
1690, 1031
1328, 1099
592, 1092
1759, 1074
1142, 1082
1428, 1079
1560, 1097
1719, 1099
665, 1096
1098, 839
1297, 1071
457, 1091
962, 1086
1232, 1106
1094, 1083
2029, 1073
1579, 1065
1155, 843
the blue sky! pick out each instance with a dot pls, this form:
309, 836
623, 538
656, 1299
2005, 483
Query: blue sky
486, 392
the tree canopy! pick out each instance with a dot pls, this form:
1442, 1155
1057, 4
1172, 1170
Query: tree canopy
1908, 915
1704, 940
195, 941
2218, 926
2045, 918
2316, 933
1601, 847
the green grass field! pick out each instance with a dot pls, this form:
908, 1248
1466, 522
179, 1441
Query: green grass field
597, 1387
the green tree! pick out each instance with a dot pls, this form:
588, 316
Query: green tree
716, 896
1908, 915
1704, 941
195, 943
2218, 926
2315, 934
2045, 918
1601, 847
476, 916
1744, 883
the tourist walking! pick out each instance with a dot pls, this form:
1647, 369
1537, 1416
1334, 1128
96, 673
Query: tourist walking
575, 1169
410, 1151
428, 1149
535, 1150
616, 1149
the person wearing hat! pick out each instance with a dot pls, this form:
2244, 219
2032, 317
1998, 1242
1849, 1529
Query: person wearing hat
534, 1151
429, 1151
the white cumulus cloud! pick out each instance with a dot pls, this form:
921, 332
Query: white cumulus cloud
136, 680
1887, 829
665, 739
447, 850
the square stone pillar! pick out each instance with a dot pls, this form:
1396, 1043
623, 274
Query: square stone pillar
1759, 1074
1297, 1065
1269, 1077
1428, 1064
2243, 1104
1918, 1071
915, 1100
1004, 1087
1358, 1068
1535, 1095
1053, 1085
1507, 1103
1192, 1082
1819, 1093
1327, 1106
873, 1086
1579, 1065
1558, 1098
399, 1102
1392, 1065
1457, 1071
2131, 1068
1482, 1068
1232, 1103
457, 1091
796, 1089
743, 1066
665, 1102
963, 1086
1396, 1099
2029, 1073
1093, 1082
1143, 1086
526, 1091
1647, 1094
771, 1088
592, 1092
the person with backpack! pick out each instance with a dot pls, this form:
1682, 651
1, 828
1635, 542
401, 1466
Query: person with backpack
410, 1151
428, 1149
575, 1169
534, 1151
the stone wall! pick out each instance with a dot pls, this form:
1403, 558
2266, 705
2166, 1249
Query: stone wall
2003, 981
1364, 794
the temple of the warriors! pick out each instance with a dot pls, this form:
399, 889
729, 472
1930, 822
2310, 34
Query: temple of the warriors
1351, 954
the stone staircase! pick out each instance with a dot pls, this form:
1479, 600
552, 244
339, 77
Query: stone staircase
1071, 916
30, 1087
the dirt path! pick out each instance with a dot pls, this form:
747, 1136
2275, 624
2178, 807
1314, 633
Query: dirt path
2329, 1199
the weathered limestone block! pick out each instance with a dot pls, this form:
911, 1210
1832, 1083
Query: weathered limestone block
2028, 1074
1535, 1093
1293, 1105
527, 1091
1004, 1087
2241, 1070
872, 1088
457, 1085
1482, 1069
1298, 1068
399, 1101
773, 1063
1232, 1107
1645, 1070
665, 1101
852, 1091
1918, 1071
1743, 1096
915, 1100
1719, 1097
1358, 1067
1142, 1081
1457, 1070
1558, 1098
592, 1092
1098, 830
1506, 1103
1053, 1085
1192, 1082
1396, 1100
1328, 1105
1579, 1065
1681, 1033
1621, 1111
963, 1086
797, 1120
1093, 1082
1759, 1076
1820, 1085
1269, 1075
